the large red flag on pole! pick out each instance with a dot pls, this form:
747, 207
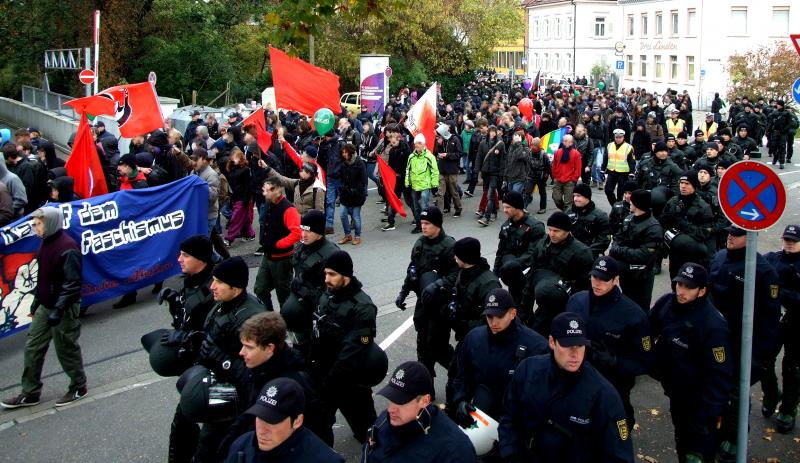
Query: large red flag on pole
135, 108
389, 178
421, 117
260, 122
303, 87
83, 164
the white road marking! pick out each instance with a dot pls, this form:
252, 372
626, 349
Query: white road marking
395, 335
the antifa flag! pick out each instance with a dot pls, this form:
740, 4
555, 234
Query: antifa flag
84, 165
134, 107
421, 117
535, 86
302, 87
389, 178
260, 122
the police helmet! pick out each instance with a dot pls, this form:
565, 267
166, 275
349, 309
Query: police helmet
203, 399
375, 366
658, 199
164, 360
482, 433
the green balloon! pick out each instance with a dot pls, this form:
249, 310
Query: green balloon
601, 85
324, 120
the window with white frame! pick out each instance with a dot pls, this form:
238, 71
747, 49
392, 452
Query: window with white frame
659, 24
546, 30
659, 67
673, 23
629, 65
780, 21
568, 62
629, 26
546, 61
690, 75
557, 62
535, 61
600, 26
536, 29
557, 28
643, 66
570, 27
691, 22
644, 25
673, 68
738, 22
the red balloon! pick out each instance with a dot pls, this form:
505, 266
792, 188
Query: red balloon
526, 108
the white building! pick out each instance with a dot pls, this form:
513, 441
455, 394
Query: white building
567, 38
685, 44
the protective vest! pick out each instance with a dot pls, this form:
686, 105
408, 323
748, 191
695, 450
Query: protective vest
674, 128
707, 130
618, 157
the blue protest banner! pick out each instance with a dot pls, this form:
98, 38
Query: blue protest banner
128, 239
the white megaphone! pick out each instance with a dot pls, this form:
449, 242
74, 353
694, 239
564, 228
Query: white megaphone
482, 433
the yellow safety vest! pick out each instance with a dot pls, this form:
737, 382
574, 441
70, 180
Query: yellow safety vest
675, 128
707, 131
618, 158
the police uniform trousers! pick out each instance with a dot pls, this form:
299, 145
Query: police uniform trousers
356, 404
787, 338
689, 437
273, 274
433, 337
191, 443
65, 339
615, 181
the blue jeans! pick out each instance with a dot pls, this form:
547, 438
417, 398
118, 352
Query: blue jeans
491, 193
421, 201
465, 163
355, 213
369, 167
516, 186
597, 174
227, 209
333, 185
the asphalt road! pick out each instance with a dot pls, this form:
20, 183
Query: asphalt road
127, 415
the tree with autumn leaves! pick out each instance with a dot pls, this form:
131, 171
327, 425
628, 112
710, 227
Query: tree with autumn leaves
764, 72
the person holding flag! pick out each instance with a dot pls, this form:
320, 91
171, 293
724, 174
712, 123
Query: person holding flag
397, 151
422, 175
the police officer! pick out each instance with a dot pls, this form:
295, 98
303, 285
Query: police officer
709, 185
621, 209
560, 408
412, 428
618, 165
659, 170
617, 328
561, 266
519, 235
489, 356
590, 225
308, 283
219, 352
342, 348
726, 284
675, 154
748, 145
688, 225
780, 127
692, 348
787, 264
713, 155
172, 351
432, 258
279, 434
697, 149
729, 148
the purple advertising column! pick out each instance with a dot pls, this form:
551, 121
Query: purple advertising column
375, 74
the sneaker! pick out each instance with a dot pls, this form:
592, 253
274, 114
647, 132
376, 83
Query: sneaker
227, 243
541, 211
483, 222
416, 230
70, 397
785, 423
479, 213
457, 213
346, 239
380, 201
259, 251
20, 401
388, 227
329, 230
247, 240
768, 406
356, 241
493, 218
468, 194
446, 210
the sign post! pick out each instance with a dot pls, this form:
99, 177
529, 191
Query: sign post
752, 197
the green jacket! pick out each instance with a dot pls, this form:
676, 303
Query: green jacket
466, 139
422, 171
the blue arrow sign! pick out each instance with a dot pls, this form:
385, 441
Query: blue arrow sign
796, 91
765, 198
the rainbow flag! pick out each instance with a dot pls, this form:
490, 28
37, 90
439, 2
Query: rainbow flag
552, 140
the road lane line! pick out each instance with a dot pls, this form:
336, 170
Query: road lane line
395, 335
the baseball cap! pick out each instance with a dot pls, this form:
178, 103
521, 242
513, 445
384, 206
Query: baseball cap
692, 275
278, 400
792, 233
409, 380
619, 132
605, 268
497, 303
569, 329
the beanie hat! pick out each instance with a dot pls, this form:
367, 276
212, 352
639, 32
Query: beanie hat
233, 272
468, 250
584, 190
419, 138
559, 220
199, 247
641, 199
681, 134
691, 177
630, 186
725, 131
660, 146
144, 159
341, 263
698, 132
128, 159
708, 168
724, 163
433, 215
313, 221
311, 151
514, 199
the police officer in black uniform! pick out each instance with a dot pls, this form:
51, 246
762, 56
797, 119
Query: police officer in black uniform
621, 209
590, 225
308, 283
559, 408
489, 356
219, 353
618, 329
676, 155
560, 267
688, 224
636, 250
692, 361
748, 145
432, 258
659, 170
787, 264
343, 349
519, 235
726, 284
713, 155
780, 123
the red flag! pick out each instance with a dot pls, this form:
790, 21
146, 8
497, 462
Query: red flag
262, 136
299, 162
389, 178
135, 108
422, 117
83, 164
302, 87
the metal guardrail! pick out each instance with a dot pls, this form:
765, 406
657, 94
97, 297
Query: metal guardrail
49, 101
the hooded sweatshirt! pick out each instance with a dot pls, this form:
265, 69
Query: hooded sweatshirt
59, 283
51, 160
15, 187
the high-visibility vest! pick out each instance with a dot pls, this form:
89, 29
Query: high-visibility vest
618, 158
675, 128
707, 131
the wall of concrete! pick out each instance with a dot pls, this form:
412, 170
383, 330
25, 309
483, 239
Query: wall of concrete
52, 126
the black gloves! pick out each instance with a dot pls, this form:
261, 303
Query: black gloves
54, 318
167, 294
430, 293
295, 285
463, 417
212, 354
174, 338
602, 356
400, 302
